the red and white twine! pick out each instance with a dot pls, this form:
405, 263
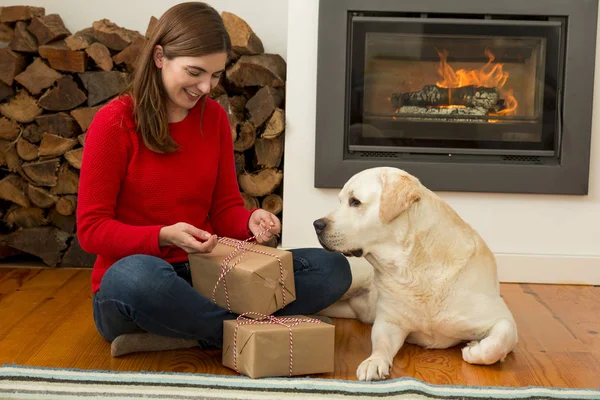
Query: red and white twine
263, 319
240, 248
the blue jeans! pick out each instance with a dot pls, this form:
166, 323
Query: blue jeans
145, 293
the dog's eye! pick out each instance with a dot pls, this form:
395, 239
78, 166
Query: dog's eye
354, 202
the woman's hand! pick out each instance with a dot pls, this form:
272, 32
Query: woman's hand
187, 237
260, 221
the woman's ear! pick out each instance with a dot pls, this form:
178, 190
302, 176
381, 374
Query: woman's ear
158, 56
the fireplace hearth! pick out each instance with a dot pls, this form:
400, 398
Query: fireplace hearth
467, 96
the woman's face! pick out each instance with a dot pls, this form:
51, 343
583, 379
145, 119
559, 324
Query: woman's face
187, 79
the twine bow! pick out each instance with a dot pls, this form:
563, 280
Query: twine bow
288, 322
240, 248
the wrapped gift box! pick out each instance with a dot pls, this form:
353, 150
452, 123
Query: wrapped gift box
263, 349
254, 280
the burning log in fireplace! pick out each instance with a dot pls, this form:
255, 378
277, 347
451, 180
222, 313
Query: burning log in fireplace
433, 99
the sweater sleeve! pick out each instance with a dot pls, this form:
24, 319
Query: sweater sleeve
106, 153
228, 215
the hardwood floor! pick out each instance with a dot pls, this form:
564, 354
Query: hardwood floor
46, 320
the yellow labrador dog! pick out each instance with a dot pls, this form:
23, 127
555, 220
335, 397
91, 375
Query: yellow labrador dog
435, 282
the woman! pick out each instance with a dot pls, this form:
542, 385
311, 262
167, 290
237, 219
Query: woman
158, 181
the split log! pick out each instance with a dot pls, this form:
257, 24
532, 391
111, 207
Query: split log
250, 202
66, 205
62, 58
263, 103
258, 70
84, 116
101, 56
269, 152
81, 139
8, 252
61, 124
217, 91
273, 203
238, 105
243, 38
246, 138
234, 115
33, 133
130, 54
74, 157
48, 28
275, 125
23, 40
41, 198
12, 189
6, 91
151, 26
11, 64
76, 257
43, 173
20, 13
25, 217
81, 40
260, 183
26, 150
435, 96
102, 85
21, 108
65, 223
113, 36
10, 156
44, 242
9, 129
68, 181
54, 145
240, 162
6, 33
65, 96
37, 77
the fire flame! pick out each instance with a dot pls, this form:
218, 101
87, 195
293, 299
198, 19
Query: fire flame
490, 75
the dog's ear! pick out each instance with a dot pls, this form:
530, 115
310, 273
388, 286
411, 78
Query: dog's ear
398, 193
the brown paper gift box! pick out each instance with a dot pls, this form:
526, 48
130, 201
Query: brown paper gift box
264, 349
253, 285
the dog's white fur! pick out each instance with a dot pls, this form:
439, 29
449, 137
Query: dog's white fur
435, 282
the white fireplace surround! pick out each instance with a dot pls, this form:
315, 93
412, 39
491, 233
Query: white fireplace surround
537, 238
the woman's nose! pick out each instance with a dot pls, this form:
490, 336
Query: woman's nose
204, 86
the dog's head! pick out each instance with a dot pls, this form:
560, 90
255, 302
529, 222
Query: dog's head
372, 204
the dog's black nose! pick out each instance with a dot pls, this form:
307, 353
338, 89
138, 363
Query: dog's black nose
319, 225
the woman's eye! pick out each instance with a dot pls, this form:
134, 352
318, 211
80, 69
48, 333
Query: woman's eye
216, 76
354, 202
193, 73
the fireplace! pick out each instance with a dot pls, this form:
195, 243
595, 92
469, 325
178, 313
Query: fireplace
467, 95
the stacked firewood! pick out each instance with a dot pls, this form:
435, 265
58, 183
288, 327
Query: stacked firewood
52, 82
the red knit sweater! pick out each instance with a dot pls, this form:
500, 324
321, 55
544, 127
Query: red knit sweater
127, 192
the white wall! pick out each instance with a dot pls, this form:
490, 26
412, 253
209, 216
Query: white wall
268, 18
537, 238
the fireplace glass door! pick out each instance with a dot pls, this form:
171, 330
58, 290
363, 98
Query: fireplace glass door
454, 86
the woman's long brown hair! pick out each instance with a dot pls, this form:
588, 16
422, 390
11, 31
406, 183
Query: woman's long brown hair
191, 29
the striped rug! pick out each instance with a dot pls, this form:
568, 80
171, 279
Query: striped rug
17, 382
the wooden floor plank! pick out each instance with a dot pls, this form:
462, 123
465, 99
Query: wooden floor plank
25, 293
46, 320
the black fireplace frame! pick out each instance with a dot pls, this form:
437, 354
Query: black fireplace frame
566, 173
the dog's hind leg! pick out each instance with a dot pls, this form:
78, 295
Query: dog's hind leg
361, 307
500, 341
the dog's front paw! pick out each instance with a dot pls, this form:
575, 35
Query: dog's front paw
373, 368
